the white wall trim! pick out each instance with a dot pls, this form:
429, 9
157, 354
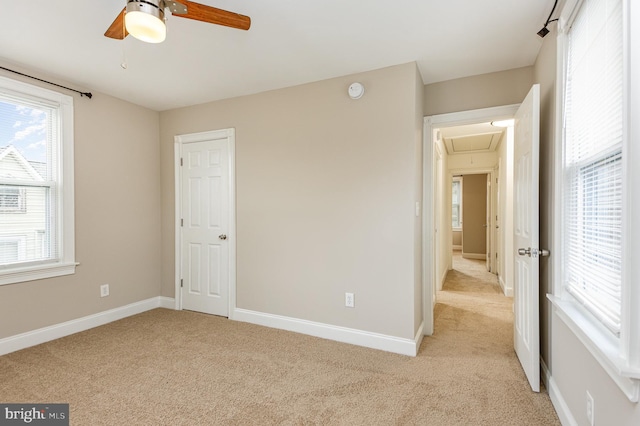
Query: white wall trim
443, 278
332, 332
560, 405
479, 256
456, 247
46, 334
546, 374
166, 302
508, 291
418, 338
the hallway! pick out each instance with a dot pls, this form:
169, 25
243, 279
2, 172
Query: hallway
474, 333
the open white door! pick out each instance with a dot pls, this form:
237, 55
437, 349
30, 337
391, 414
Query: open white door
526, 238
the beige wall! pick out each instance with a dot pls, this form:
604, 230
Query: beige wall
474, 214
457, 238
117, 211
480, 91
326, 192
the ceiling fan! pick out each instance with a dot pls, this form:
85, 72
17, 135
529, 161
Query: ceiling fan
145, 19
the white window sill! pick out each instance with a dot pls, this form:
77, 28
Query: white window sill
599, 341
36, 272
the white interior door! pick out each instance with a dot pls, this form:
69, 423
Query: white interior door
526, 238
205, 230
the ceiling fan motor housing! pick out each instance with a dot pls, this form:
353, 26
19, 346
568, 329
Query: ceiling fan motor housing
150, 7
144, 19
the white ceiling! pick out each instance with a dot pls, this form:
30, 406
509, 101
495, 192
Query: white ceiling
290, 42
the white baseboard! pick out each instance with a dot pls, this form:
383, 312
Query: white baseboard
442, 279
508, 291
560, 405
546, 375
46, 334
326, 331
167, 302
478, 256
419, 336
456, 247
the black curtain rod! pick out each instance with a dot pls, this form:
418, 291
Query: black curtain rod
87, 94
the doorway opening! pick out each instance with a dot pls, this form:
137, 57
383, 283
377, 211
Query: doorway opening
460, 145
516, 204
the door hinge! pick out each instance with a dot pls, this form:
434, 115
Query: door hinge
181, 222
181, 162
181, 282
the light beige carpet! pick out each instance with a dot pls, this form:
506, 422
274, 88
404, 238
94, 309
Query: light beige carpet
167, 367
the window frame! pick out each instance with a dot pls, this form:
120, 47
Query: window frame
65, 262
618, 356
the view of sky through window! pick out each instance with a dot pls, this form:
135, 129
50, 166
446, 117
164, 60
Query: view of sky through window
25, 128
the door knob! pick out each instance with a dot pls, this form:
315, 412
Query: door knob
524, 252
222, 237
533, 252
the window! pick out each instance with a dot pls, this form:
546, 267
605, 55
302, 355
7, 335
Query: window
456, 203
36, 183
595, 294
12, 200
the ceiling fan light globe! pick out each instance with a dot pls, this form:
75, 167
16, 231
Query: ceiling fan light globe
145, 22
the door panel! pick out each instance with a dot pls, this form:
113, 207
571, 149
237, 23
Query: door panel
205, 207
526, 297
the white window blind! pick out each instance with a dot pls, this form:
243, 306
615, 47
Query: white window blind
592, 162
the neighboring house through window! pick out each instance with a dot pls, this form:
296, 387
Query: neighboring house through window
36, 183
13, 200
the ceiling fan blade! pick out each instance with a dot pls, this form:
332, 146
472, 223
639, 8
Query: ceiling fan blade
213, 15
117, 29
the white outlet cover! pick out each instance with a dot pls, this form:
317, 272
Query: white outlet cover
590, 409
349, 300
104, 290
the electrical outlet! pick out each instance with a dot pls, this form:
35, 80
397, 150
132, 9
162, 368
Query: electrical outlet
590, 410
104, 290
349, 300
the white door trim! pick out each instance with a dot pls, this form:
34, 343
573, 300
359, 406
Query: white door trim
179, 140
428, 242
